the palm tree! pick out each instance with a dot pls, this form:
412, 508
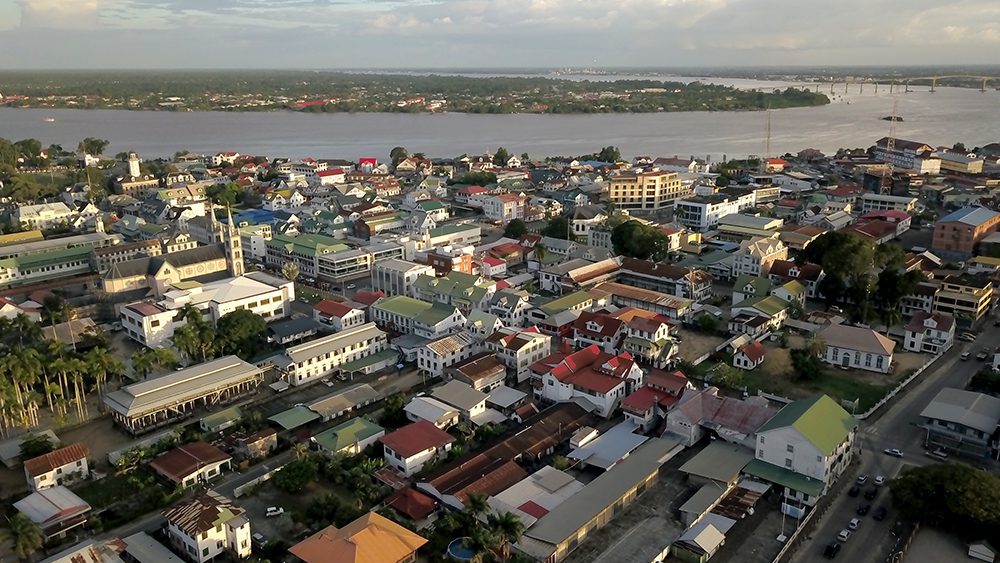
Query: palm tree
816, 345
300, 451
25, 536
101, 363
477, 505
508, 529
290, 270
186, 340
142, 363
541, 251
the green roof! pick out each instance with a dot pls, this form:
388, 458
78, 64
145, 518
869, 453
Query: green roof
760, 285
216, 419
565, 302
402, 305
457, 285
795, 288
369, 360
434, 314
307, 244
769, 305
784, 477
347, 434
294, 418
52, 257
820, 420
430, 205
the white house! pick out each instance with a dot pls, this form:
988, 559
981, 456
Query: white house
42, 216
929, 332
703, 212
470, 402
437, 355
207, 524
854, 347
804, 448
756, 256
322, 357
503, 207
337, 315
590, 374
511, 306
397, 277
189, 464
518, 348
64, 466
408, 449
749, 356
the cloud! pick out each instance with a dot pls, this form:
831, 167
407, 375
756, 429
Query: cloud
57, 14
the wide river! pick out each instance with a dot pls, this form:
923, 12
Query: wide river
852, 120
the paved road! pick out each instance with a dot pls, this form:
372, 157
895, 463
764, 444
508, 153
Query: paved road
896, 428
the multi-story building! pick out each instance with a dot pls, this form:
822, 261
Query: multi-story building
804, 448
703, 212
404, 315
461, 290
601, 378
449, 259
963, 422
42, 216
511, 306
206, 525
965, 297
647, 189
254, 238
503, 207
322, 357
440, 354
303, 250
104, 258
870, 202
397, 277
342, 265
854, 347
931, 333
958, 233
51, 265
910, 155
677, 281
411, 447
337, 315
756, 256
809, 275
369, 538
647, 337
519, 348
961, 163
64, 466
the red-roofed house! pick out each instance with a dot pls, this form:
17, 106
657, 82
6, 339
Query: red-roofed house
491, 266
463, 195
590, 374
601, 329
364, 300
331, 176
929, 332
58, 467
659, 394
648, 336
750, 355
413, 505
367, 164
776, 165
338, 315
412, 446
191, 463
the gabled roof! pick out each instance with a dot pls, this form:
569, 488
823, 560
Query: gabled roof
855, 338
184, 460
820, 420
806, 272
57, 458
202, 512
755, 351
415, 438
372, 538
944, 322
973, 216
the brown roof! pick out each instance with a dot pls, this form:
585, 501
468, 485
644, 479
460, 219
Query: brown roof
855, 338
412, 503
415, 438
806, 272
480, 474
916, 324
202, 512
369, 539
655, 269
184, 460
57, 458
480, 366
754, 350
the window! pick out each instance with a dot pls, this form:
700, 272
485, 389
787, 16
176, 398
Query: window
204, 552
790, 448
788, 463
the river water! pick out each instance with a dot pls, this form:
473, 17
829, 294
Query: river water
852, 120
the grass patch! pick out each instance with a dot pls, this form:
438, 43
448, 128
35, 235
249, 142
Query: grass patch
109, 490
837, 385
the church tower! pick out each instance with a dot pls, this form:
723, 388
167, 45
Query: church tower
133, 165
234, 246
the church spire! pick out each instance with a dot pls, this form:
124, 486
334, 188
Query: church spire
234, 246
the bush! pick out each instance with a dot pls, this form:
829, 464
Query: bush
806, 365
295, 476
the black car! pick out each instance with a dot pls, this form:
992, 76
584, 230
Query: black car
880, 513
832, 549
870, 494
863, 509
854, 491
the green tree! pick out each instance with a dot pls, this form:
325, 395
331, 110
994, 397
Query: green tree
241, 333
226, 195
34, 445
833, 288
501, 157
145, 359
397, 155
290, 270
636, 240
515, 229
55, 310
953, 496
891, 287
392, 410
609, 154
478, 178
725, 375
807, 365
816, 345
507, 529
557, 227
24, 536
708, 323
295, 475
93, 146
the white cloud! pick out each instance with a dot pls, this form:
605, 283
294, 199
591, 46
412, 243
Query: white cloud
58, 14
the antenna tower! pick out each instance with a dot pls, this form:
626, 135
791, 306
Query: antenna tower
890, 149
767, 143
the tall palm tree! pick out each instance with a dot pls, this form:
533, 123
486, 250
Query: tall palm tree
508, 529
142, 363
477, 505
102, 364
300, 451
26, 538
816, 345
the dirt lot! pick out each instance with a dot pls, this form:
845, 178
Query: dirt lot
696, 344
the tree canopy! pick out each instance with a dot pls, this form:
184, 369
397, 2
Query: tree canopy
515, 229
93, 146
240, 333
501, 157
638, 240
953, 496
558, 227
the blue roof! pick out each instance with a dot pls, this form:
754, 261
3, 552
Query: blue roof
255, 217
973, 216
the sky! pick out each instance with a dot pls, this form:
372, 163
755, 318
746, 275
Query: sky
421, 34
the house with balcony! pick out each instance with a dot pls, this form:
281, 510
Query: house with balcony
518, 348
932, 333
965, 297
677, 281
809, 275
803, 449
963, 422
647, 337
206, 525
434, 357
404, 315
601, 329
771, 309
411, 447
511, 306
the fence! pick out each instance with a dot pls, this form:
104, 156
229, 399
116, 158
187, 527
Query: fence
244, 488
773, 397
902, 385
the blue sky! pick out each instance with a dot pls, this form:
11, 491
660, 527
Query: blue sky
493, 33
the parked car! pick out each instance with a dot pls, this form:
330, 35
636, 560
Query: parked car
273, 511
328, 382
854, 491
880, 513
863, 509
879, 480
893, 452
983, 354
862, 479
965, 355
967, 337
258, 540
938, 454
870, 494
844, 535
854, 523
831, 551
351, 286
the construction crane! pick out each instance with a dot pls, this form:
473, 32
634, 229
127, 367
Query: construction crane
890, 149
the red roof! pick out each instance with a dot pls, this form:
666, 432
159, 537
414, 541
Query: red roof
754, 350
674, 381
367, 298
643, 399
331, 308
502, 284
331, 172
533, 508
492, 261
372, 161
472, 190
888, 214
414, 438
777, 161
412, 503
182, 461
57, 458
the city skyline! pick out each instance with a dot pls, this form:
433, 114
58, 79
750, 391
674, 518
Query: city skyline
329, 34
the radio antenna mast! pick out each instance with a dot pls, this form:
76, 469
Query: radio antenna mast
890, 150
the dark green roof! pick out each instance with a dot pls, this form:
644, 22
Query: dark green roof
784, 477
820, 419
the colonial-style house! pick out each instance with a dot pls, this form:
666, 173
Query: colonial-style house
929, 332
854, 347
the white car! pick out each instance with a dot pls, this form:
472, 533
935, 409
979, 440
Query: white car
273, 511
893, 452
854, 523
844, 535
879, 480
351, 286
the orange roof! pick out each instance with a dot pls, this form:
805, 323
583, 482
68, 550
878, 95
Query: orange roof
57, 458
369, 539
